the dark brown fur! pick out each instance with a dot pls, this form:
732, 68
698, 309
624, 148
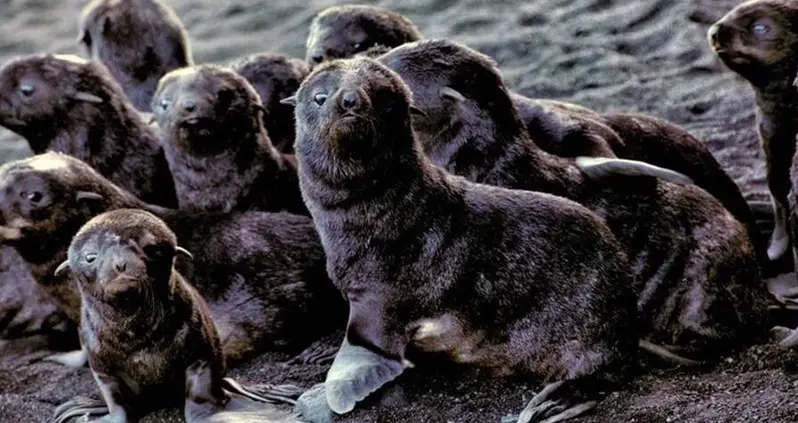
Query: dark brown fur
413, 247
699, 287
274, 76
262, 273
343, 31
218, 150
142, 324
138, 40
568, 130
769, 62
77, 108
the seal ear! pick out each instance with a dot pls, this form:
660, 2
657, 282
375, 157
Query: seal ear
87, 97
88, 195
63, 267
417, 112
289, 101
452, 94
180, 251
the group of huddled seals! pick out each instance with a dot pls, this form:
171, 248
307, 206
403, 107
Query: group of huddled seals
561, 270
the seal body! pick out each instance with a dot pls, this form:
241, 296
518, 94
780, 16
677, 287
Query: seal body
263, 274
759, 41
568, 130
343, 31
690, 257
217, 147
275, 77
74, 106
138, 40
142, 324
429, 261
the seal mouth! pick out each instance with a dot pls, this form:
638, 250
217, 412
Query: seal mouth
121, 284
196, 121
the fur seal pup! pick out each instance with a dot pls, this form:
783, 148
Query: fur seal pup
698, 282
338, 32
274, 76
758, 40
432, 262
569, 130
138, 40
144, 327
263, 274
71, 105
560, 128
218, 150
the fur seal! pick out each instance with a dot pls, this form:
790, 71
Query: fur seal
71, 105
560, 128
342, 31
758, 40
431, 262
218, 150
699, 287
274, 76
263, 274
138, 40
148, 333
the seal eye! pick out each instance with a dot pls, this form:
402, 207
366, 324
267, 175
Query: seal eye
90, 257
164, 104
320, 98
33, 197
760, 29
26, 89
356, 46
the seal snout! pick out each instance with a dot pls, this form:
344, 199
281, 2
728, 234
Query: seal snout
349, 100
718, 34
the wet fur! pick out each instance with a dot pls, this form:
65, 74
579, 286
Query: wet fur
694, 267
138, 40
227, 162
262, 273
407, 242
274, 76
110, 136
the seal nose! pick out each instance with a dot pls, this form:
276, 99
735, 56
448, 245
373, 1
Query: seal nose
350, 100
120, 265
717, 33
317, 58
189, 105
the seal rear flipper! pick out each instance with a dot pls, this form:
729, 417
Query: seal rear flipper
77, 407
263, 393
555, 404
600, 167
355, 373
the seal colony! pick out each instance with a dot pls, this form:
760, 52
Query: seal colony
394, 177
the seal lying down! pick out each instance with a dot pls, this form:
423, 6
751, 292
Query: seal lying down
147, 331
432, 263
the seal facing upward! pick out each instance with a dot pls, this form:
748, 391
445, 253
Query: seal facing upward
431, 262
759, 41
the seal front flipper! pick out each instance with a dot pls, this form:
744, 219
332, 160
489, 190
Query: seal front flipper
75, 359
600, 167
357, 372
553, 404
78, 407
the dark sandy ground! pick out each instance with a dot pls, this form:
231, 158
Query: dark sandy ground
646, 55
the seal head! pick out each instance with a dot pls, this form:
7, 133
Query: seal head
342, 31
758, 39
199, 106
